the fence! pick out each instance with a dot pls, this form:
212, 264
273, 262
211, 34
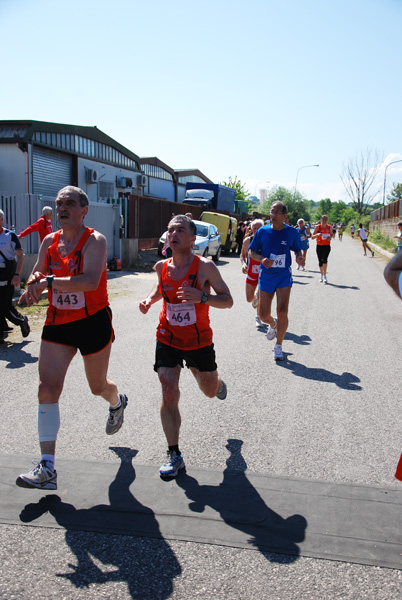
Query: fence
390, 211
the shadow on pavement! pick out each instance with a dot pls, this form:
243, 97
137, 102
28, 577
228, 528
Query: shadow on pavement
15, 355
343, 287
246, 510
148, 572
302, 340
346, 381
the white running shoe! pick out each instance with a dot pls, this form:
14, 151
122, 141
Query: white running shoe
303, 269
40, 476
321, 279
278, 354
298, 267
325, 279
271, 333
258, 322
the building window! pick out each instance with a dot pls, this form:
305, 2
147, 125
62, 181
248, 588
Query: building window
105, 190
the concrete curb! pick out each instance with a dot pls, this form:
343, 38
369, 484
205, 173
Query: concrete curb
380, 250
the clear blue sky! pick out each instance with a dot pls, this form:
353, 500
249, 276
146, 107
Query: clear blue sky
255, 89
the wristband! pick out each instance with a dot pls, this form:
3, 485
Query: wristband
49, 279
204, 298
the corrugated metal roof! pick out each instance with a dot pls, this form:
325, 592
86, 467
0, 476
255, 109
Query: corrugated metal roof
12, 132
25, 131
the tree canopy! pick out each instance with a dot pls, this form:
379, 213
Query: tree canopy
396, 193
359, 177
237, 185
297, 205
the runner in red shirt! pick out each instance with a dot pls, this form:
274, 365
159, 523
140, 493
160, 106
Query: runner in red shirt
72, 265
184, 333
251, 268
323, 233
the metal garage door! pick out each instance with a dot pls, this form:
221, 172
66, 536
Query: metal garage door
51, 171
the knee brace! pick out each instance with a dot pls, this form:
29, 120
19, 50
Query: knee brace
48, 422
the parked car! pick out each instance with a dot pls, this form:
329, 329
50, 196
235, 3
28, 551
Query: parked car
227, 227
207, 241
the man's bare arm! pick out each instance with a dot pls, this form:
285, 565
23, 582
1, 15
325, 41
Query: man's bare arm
208, 274
392, 273
155, 294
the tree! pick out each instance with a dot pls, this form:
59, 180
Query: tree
296, 204
358, 177
237, 185
396, 193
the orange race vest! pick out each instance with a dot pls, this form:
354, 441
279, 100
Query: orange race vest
182, 325
327, 231
65, 307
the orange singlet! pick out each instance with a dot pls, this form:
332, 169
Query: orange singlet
325, 234
65, 307
182, 325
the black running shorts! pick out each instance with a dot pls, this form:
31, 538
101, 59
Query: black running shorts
322, 253
202, 359
89, 335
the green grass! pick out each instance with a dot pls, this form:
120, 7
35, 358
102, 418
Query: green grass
382, 240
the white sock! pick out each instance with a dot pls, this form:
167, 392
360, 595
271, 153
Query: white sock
117, 405
49, 458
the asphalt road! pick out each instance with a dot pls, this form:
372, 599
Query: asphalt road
329, 412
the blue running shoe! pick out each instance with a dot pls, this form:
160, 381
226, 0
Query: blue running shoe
174, 462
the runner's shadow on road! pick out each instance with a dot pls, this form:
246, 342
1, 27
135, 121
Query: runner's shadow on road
302, 340
148, 568
240, 506
346, 381
343, 287
15, 354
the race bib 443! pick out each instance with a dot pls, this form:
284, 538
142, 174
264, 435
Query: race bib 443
68, 300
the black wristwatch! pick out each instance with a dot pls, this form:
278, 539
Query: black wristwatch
204, 298
49, 279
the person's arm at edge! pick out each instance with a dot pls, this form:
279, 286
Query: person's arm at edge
392, 273
34, 227
155, 294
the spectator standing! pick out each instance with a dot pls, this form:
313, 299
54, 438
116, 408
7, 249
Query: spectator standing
11, 261
399, 237
43, 225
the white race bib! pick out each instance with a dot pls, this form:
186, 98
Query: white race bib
68, 300
255, 269
181, 314
325, 236
279, 260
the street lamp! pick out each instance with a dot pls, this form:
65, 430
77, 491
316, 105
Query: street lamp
385, 178
297, 175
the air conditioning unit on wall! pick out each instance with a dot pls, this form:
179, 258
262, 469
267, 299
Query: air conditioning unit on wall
121, 182
141, 180
92, 176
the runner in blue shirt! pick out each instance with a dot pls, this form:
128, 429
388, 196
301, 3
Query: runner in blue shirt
272, 245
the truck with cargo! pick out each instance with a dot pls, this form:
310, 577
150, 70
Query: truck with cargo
211, 196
